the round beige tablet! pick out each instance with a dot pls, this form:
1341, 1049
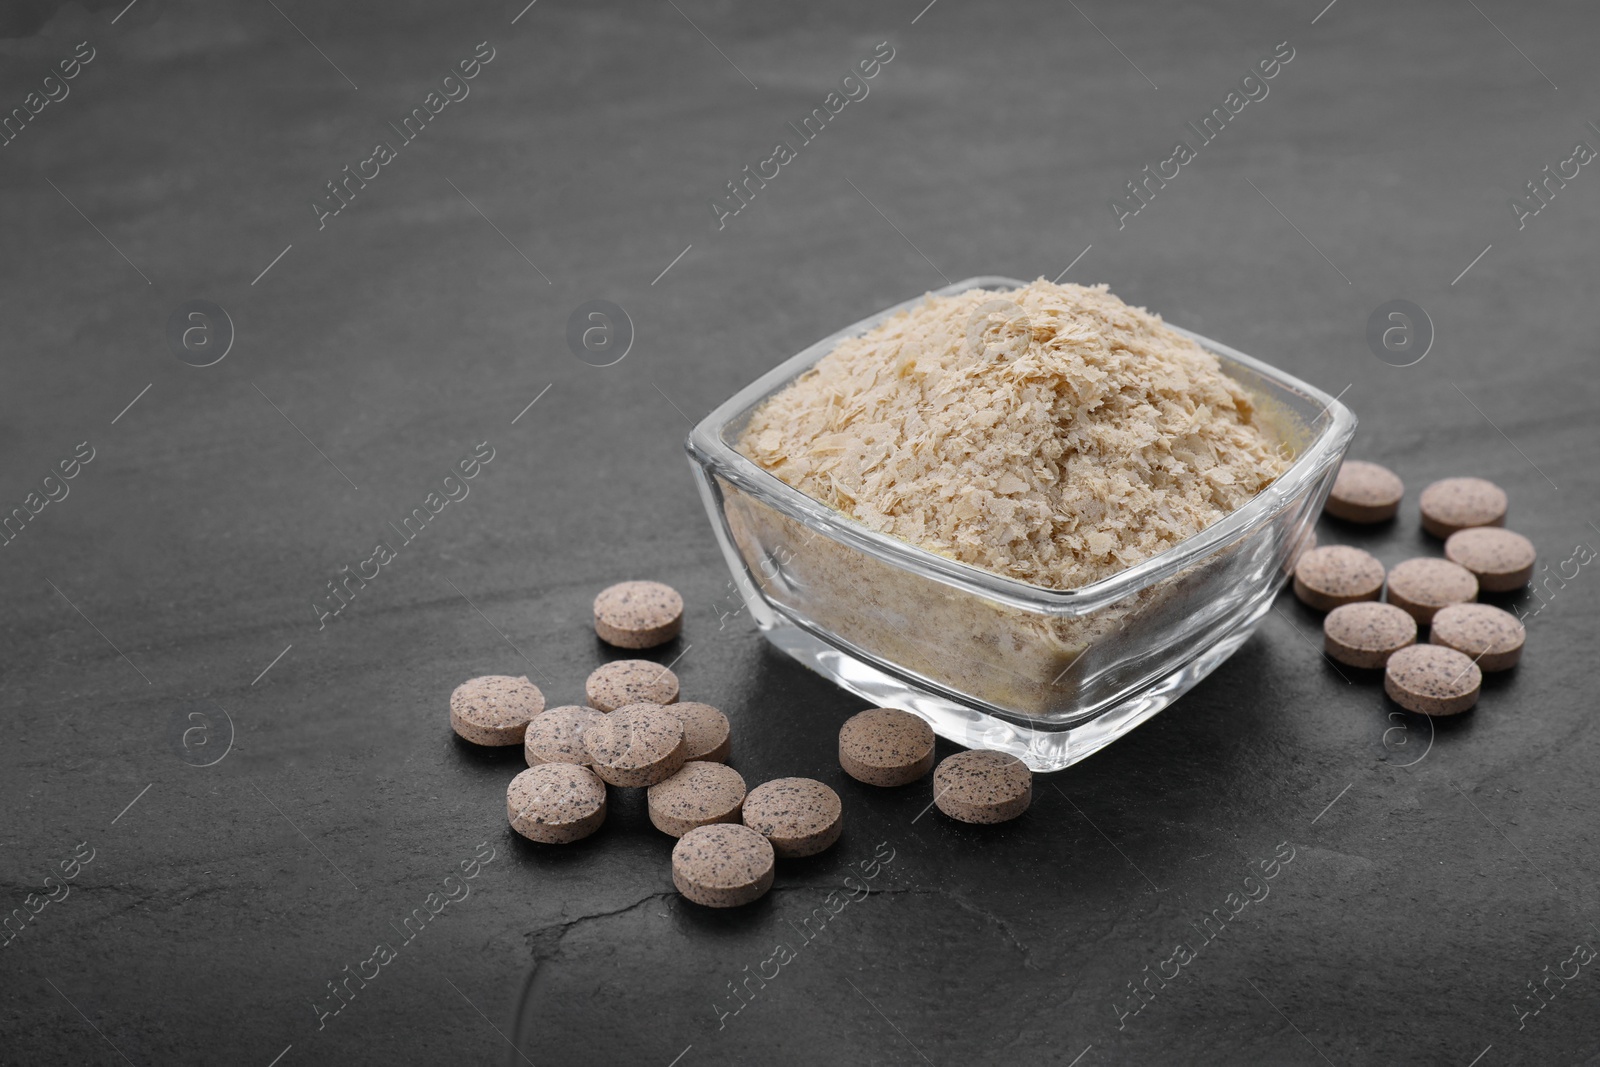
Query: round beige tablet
630, 681
1367, 634
1491, 637
1423, 586
636, 745
1457, 503
800, 816
982, 786
722, 865
638, 614
556, 803
557, 735
1365, 492
706, 733
1432, 680
698, 795
1337, 574
494, 709
886, 746
1500, 559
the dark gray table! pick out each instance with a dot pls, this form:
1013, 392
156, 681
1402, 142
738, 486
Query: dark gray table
166, 604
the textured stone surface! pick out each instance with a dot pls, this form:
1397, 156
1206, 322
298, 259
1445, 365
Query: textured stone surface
1415, 908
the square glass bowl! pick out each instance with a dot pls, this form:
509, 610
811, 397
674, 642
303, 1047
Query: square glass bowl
1048, 675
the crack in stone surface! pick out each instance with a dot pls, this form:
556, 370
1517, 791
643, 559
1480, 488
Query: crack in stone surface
1000, 924
551, 934
545, 940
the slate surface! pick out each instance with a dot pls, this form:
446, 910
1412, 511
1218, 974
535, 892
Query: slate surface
1434, 875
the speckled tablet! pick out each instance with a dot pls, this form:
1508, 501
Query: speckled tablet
557, 735
698, 795
1500, 559
706, 733
1337, 574
636, 745
1432, 680
722, 865
886, 746
1491, 637
1365, 492
1458, 503
1366, 634
1422, 586
630, 681
800, 816
556, 803
638, 614
494, 709
982, 786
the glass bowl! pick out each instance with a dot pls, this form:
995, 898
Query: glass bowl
1048, 675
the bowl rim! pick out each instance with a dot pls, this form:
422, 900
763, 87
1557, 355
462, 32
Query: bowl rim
706, 447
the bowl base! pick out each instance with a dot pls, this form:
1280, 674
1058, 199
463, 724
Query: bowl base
1042, 749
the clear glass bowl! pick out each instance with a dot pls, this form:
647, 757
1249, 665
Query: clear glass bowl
991, 662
